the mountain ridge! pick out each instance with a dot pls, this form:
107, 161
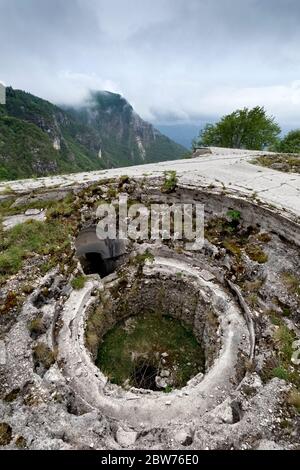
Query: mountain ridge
104, 132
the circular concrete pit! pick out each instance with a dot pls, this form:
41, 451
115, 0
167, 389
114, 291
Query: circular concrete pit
213, 314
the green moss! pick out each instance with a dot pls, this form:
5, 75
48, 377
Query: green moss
280, 364
27, 289
26, 240
94, 325
234, 215
256, 253
111, 192
123, 180
232, 247
78, 282
274, 317
253, 300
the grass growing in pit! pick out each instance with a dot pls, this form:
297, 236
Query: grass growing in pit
125, 350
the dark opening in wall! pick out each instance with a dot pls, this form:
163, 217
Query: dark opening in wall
93, 263
144, 376
98, 256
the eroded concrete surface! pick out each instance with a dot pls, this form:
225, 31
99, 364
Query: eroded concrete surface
236, 305
229, 167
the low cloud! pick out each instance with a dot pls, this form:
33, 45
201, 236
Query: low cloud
175, 61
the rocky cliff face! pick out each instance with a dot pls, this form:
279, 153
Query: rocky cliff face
104, 132
123, 137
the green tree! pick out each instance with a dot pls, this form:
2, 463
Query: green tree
290, 143
244, 128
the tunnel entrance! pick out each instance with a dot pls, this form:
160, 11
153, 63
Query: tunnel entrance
92, 263
98, 256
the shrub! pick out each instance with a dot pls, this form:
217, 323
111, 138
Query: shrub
244, 128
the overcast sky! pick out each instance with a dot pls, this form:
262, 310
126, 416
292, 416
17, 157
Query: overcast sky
174, 60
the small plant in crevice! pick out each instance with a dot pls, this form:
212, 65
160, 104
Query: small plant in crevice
21, 442
283, 368
292, 282
111, 192
170, 182
43, 356
5, 434
234, 218
123, 179
141, 258
36, 326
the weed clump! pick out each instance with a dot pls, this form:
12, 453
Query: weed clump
5, 434
170, 182
10, 302
292, 282
21, 442
43, 355
78, 282
256, 253
36, 326
141, 258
